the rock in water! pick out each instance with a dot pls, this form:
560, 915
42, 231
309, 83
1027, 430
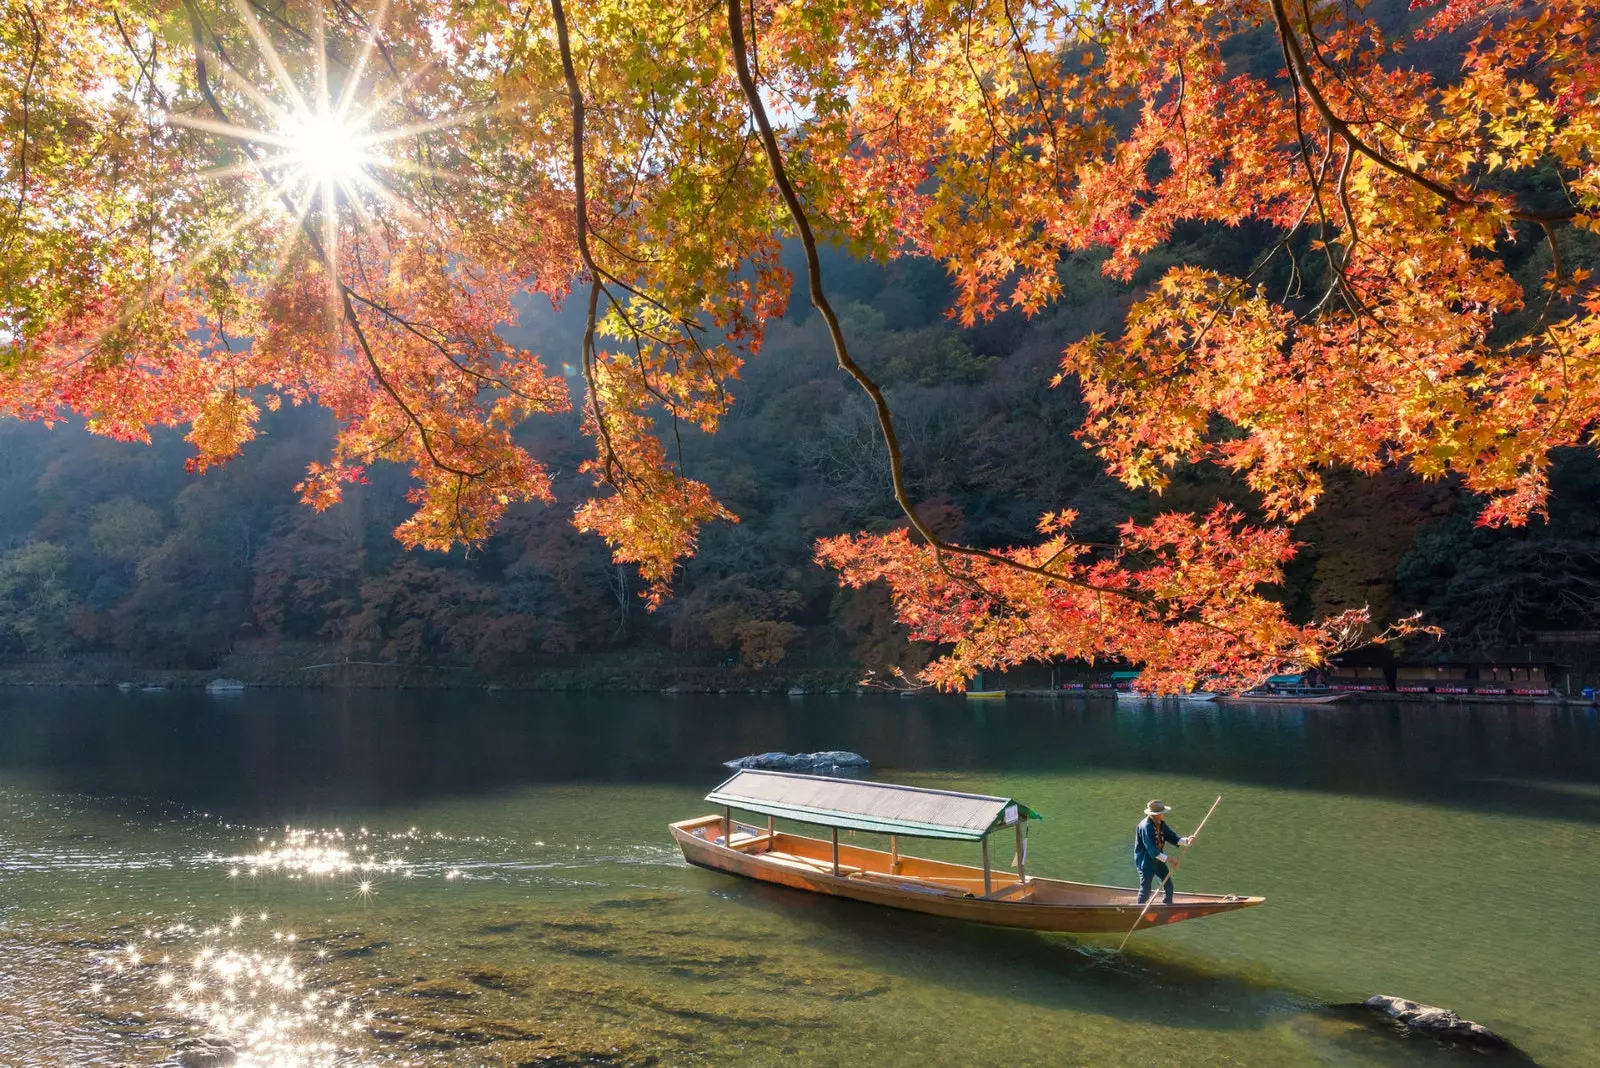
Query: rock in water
206, 1053
1440, 1023
800, 761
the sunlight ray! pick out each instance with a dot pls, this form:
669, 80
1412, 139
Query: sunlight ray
369, 45
274, 110
269, 53
232, 130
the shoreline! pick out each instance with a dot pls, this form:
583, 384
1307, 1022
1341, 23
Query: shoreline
167, 683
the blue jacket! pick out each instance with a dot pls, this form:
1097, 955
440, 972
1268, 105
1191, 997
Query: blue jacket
1147, 843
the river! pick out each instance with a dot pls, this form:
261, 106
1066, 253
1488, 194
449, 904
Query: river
436, 878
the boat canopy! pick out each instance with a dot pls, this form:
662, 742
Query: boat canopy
880, 807
1118, 676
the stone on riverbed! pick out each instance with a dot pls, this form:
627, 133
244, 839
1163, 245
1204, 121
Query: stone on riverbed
800, 761
206, 1053
1440, 1023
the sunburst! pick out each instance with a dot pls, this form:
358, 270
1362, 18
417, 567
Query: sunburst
325, 160
308, 146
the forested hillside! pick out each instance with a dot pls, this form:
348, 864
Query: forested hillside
113, 553
109, 548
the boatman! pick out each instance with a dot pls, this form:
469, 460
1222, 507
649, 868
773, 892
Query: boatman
1150, 840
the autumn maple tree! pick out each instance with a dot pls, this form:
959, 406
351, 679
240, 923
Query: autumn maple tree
210, 207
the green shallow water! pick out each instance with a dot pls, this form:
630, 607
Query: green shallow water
524, 904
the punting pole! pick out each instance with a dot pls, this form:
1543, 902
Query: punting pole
987, 884
835, 850
1170, 869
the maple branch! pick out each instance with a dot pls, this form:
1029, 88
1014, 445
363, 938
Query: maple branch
581, 222
27, 114
1555, 249
1341, 127
196, 24
345, 294
145, 73
1038, 90
421, 332
819, 300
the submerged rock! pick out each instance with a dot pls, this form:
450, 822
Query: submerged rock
1430, 1020
206, 1053
826, 761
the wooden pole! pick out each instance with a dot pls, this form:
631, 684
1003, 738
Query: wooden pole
770, 834
836, 851
727, 826
1022, 863
1170, 869
894, 854
988, 885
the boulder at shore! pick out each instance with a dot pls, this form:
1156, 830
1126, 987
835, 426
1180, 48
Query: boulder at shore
1440, 1023
800, 761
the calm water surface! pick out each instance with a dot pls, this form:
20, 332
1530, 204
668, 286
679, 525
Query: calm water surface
459, 879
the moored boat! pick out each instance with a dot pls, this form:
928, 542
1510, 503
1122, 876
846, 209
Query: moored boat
1124, 684
1285, 697
887, 877
1141, 695
1287, 690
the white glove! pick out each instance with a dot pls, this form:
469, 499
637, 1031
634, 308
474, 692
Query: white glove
1185, 841
1162, 857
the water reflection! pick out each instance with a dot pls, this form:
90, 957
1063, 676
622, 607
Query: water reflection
301, 756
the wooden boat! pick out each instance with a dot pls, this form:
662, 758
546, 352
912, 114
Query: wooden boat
1140, 695
1123, 681
886, 877
986, 695
1285, 697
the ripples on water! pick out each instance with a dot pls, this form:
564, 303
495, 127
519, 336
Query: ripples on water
238, 989
488, 914
241, 987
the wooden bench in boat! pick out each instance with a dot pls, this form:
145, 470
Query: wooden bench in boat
911, 883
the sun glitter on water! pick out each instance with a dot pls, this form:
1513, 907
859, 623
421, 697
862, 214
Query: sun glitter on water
306, 853
247, 1000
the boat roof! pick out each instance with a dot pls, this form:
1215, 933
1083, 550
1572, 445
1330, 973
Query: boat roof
881, 807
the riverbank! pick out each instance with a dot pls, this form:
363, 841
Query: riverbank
417, 678
297, 667
308, 666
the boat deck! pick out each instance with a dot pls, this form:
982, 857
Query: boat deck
986, 894
813, 857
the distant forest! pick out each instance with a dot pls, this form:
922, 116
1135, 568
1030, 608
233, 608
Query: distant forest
110, 548
112, 552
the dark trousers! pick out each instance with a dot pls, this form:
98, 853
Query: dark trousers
1155, 872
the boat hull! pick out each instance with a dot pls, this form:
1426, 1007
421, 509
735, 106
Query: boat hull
935, 888
1283, 698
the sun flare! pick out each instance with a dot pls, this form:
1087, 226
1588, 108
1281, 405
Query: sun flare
328, 148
